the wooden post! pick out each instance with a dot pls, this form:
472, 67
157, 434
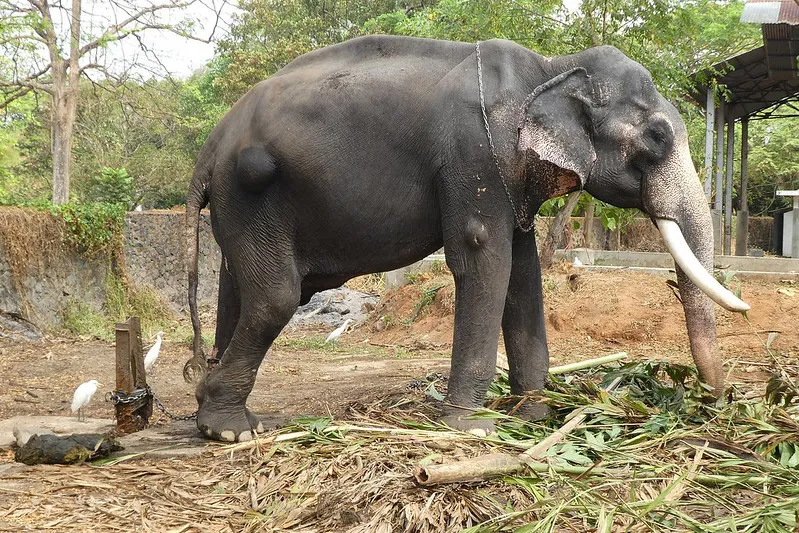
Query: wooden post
710, 117
131, 417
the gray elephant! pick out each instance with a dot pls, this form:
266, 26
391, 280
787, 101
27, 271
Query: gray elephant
371, 154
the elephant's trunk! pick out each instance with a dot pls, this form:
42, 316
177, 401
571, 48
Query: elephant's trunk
699, 313
676, 201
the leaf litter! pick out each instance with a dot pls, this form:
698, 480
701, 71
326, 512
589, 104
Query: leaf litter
655, 454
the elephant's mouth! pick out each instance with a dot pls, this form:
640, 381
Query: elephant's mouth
687, 261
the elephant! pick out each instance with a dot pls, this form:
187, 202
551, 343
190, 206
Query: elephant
369, 155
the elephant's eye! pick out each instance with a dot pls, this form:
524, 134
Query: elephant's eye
659, 138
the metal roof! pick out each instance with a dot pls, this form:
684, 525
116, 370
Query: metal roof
764, 82
771, 12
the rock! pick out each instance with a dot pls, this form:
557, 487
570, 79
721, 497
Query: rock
23, 434
333, 306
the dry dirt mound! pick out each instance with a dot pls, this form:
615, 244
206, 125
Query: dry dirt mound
591, 312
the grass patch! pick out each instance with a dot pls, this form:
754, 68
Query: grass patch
122, 302
303, 343
81, 320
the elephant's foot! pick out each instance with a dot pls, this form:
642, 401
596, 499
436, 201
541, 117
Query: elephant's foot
458, 418
228, 425
531, 410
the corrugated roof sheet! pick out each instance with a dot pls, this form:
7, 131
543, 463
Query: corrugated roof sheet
771, 12
761, 12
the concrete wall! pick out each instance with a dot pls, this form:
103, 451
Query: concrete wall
641, 235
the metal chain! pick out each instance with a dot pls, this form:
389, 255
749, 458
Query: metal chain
164, 410
527, 226
119, 397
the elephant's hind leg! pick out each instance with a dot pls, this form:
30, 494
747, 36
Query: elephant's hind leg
228, 310
266, 307
523, 325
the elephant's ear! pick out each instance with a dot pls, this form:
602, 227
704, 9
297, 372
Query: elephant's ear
555, 122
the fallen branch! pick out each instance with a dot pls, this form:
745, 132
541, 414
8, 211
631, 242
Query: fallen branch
435, 435
500, 464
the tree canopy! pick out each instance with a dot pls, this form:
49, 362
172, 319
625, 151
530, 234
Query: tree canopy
153, 129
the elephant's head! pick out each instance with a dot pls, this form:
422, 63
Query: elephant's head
603, 122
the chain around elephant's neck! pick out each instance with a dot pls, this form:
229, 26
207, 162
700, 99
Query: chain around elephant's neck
526, 225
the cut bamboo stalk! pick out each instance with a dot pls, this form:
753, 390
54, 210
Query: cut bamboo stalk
502, 363
588, 363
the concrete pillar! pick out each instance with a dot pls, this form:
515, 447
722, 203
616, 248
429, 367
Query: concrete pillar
718, 227
795, 236
742, 226
728, 187
710, 115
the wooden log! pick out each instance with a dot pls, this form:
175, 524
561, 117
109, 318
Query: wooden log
476, 469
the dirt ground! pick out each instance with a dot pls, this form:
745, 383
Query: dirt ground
587, 316
407, 336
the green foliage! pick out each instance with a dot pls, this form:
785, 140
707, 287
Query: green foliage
91, 228
145, 129
530, 23
612, 217
112, 186
122, 301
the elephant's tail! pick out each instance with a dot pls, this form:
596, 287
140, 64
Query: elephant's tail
199, 195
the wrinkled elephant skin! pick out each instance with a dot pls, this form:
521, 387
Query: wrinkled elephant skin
369, 155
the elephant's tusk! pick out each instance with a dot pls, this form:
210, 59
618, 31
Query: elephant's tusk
685, 258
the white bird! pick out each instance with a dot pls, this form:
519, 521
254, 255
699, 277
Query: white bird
83, 395
336, 333
152, 353
577, 263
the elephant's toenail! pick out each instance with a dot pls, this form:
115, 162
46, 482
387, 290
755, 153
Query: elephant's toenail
477, 432
260, 428
228, 436
245, 436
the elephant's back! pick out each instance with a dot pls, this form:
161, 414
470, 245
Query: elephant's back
381, 49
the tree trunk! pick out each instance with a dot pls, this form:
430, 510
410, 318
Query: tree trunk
556, 230
66, 74
588, 225
63, 125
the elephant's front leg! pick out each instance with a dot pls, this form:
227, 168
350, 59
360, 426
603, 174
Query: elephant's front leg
479, 258
523, 325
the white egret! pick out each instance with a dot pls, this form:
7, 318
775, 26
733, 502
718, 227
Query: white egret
83, 395
336, 333
152, 353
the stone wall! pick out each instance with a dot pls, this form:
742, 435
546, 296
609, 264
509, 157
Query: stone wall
155, 252
154, 256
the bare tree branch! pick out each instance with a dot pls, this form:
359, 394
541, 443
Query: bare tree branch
113, 33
